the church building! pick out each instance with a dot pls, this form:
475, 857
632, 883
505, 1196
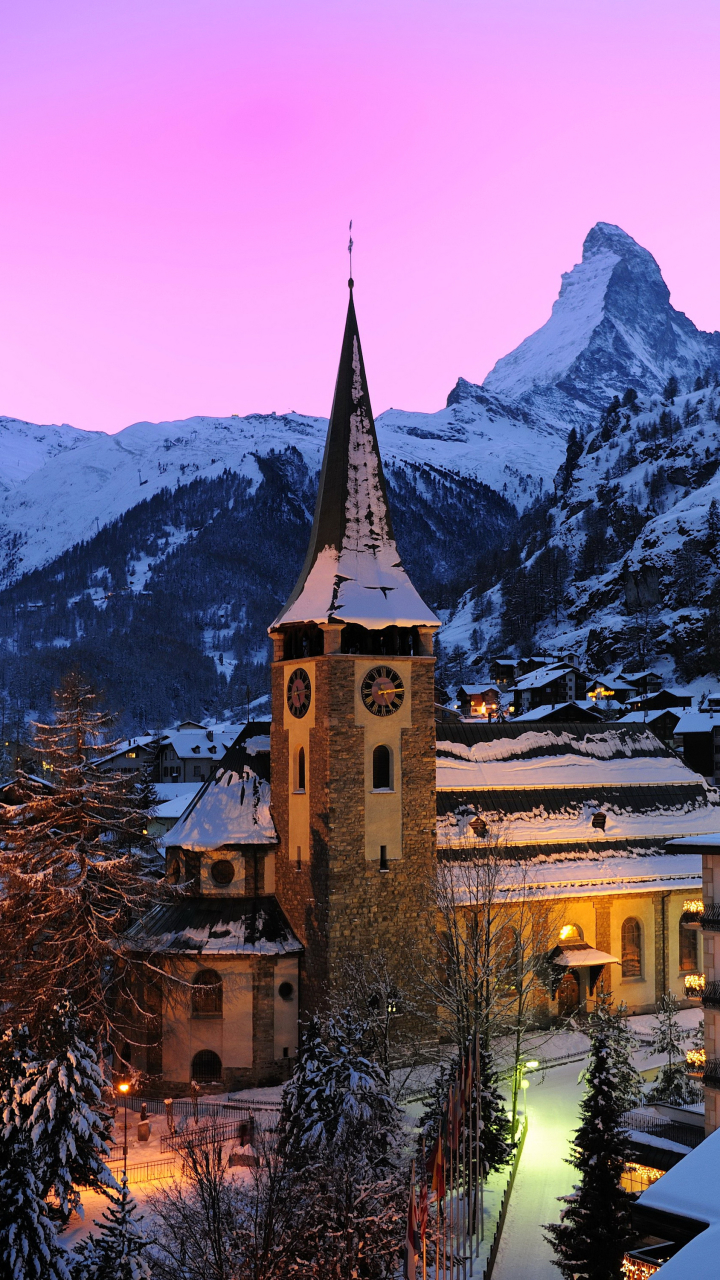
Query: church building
278, 894
282, 887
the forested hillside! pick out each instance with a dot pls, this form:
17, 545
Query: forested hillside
167, 608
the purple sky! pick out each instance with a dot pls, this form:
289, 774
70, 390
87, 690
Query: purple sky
178, 176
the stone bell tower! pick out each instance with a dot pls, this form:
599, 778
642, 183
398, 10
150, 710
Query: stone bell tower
353, 731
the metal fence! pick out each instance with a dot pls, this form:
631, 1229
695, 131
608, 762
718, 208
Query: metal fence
184, 1107
207, 1135
687, 1135
151, 1171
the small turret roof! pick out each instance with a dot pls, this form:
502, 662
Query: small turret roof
352, 571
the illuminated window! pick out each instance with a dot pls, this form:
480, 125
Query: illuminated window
631, 948
688, 949
571, 933
207, 994
382, 769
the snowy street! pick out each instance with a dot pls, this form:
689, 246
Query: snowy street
542, 1175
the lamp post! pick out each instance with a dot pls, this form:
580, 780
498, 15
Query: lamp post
124, 1089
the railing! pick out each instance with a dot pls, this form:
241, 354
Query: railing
711, 995
151, 1171
711, 1074
710, 917
184, 1107
206, 1135
687, 1135
492, 1256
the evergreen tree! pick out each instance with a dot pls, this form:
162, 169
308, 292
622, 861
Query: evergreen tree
673, 1083
712, 541
55, 1105
29, 1249
117, 1251
624, 1043
671, 389
69, 860
594, 1228
339, 1139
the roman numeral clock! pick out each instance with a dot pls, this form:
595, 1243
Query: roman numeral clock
382, 691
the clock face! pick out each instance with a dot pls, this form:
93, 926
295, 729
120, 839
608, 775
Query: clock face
382, 691
299, 692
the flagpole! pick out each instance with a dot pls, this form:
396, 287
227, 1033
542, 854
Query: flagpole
463, 1214
451, 1225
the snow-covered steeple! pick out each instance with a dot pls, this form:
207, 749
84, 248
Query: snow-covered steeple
352, 571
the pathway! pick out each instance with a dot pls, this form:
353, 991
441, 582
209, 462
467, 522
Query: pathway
542, 1176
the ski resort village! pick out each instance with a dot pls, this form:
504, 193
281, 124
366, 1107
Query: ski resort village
361, 870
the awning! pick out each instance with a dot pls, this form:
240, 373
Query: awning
583, 958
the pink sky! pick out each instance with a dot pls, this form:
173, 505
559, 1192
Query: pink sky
178, 176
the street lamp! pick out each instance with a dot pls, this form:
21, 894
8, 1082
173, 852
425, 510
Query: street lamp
124, 1089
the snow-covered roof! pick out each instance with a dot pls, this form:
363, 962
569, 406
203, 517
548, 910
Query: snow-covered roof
697, 722
353, 572
591, 876
231, 808
582, 957
543, 675
689, 1190
206, 926
538, 713
698, 841
644, 717
197, 743
477, 690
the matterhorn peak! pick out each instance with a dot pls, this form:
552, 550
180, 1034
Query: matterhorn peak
612, 326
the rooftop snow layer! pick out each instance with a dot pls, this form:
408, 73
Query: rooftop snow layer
201, 927
230, 808
583, 877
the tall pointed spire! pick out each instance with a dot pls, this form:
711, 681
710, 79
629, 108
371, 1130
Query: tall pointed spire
352, 571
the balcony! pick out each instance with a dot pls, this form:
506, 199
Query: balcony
711, 1073
711, 995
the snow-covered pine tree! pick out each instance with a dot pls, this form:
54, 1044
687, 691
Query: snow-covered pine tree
340, 1136
496, 1143
594, 1228
57, 1105
117, 1252
29, 1248
624, 1044
673, 1083
72, 874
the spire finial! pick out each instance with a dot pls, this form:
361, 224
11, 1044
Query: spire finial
350, 249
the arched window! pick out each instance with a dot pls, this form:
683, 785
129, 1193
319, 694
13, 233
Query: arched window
570, 933
206, 1067
207, 994
382, 769
507, 959
631, 948
300, 769
688, 949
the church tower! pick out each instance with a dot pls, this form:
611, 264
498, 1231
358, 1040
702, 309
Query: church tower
353, 730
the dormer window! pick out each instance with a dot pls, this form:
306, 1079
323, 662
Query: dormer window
212, 750
195, 750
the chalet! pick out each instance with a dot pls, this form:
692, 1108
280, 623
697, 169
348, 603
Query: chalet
663, 722
503, 671
697, 737
661, 700
547, 686
565, 713
479, 701
643, 682
606, 687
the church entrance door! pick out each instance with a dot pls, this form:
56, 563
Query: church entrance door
568, 995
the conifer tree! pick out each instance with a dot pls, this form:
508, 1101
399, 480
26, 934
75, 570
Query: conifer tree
29, 1248
55, 1106
69, 861
673, 1084
116, 1253
594, 1228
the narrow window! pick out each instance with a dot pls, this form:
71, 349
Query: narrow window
688, 949
382, 770
631, 948
298, 860
207, 994
383, 858
300, 770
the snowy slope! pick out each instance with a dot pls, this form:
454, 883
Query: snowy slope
81, 481
24, 447
612, 326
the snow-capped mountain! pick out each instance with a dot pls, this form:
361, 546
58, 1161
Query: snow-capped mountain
612, 327
625, 566
25, 447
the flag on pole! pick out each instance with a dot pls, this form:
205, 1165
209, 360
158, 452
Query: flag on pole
412, 1238
436, 1164
423, 1213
